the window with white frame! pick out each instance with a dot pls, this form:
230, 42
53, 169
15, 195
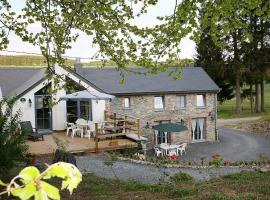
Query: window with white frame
200, 100
126, 102
181, 102
159, 103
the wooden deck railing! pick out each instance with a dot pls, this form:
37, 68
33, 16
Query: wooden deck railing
128, 124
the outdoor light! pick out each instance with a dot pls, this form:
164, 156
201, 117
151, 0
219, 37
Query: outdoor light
30, 102
147, 125
22, 100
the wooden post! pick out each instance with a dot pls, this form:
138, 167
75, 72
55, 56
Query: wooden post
96, 137
125, 124
138, 127
114, 120
105, 115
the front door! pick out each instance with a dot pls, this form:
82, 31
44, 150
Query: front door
43, 112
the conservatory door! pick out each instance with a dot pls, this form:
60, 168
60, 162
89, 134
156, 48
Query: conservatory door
43, 112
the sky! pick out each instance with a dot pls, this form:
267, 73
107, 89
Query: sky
83, 47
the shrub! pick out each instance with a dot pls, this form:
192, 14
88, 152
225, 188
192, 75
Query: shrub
181, 177
12, 142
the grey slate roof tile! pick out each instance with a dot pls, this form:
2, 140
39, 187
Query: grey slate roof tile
194, 79
16, 80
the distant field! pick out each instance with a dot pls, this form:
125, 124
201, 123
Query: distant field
227, 109
39, 61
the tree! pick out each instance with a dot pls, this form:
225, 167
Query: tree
12, 141
210, 57
229, 26
108, 23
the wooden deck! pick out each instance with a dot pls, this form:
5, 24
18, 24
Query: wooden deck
76, 144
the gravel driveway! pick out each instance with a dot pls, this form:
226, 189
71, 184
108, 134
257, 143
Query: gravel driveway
126, 170
234, 145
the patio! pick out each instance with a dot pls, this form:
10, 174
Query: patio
76, 144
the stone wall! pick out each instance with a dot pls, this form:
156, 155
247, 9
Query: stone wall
143, 107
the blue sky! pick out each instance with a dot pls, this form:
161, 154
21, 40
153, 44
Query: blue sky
83, 47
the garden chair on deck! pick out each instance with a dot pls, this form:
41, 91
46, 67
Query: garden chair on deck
90, 129
70, 127
31, 132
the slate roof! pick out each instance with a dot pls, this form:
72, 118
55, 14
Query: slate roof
194, 79
19, 80
14, 81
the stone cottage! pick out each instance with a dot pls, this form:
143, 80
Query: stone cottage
157, 98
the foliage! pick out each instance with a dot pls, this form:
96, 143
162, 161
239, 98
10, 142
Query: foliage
109, 24
12, 141
110, 162
210, 57
217, 161
61, 153
181, 177
31, 183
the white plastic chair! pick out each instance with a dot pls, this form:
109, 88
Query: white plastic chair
90, 129
157, 152
182, 148
76, 130
70, 127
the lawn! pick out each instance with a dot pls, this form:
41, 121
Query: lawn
245, 185
227, 109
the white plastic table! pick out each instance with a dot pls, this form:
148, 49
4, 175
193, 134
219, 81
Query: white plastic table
166, 148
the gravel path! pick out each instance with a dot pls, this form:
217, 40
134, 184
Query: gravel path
126, 170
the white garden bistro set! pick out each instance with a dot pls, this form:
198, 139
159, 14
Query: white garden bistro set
83, 128
165, 149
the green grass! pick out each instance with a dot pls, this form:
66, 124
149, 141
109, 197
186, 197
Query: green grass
227, 109
244, 185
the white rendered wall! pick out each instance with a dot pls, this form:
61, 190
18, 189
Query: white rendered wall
98, 108
58, 110
28, 113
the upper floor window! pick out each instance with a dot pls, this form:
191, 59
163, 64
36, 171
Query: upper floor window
181, 102
159, 103
126, 102
200, 100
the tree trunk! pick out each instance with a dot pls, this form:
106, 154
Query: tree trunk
251, 97
257, 97
238, 92
262, 96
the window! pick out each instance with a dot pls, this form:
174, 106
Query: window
126, 102
181, 102
200, 100
159, 103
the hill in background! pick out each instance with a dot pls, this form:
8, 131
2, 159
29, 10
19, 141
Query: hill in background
39, 61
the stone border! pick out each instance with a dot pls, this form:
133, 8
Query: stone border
143, 162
